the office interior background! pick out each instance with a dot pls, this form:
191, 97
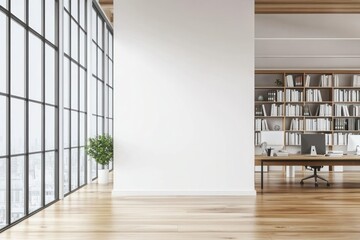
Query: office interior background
45, 122
180, 107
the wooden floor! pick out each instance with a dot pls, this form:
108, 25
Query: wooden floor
285, 210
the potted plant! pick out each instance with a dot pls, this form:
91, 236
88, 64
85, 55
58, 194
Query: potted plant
101, 149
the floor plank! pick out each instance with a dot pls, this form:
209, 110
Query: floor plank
283, 210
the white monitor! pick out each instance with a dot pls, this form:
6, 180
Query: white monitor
274, 139
353, 144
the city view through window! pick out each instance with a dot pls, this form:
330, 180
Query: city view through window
31, 100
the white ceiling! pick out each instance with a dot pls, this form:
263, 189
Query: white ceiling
307, 41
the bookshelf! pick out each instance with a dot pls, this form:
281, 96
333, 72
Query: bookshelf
308, 101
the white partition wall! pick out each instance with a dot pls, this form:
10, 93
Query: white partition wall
183, 109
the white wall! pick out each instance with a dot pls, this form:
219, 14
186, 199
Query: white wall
307, 41
184, 97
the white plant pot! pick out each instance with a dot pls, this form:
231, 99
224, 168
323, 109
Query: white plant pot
103, 176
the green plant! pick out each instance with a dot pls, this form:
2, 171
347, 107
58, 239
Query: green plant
101, 149
278, 82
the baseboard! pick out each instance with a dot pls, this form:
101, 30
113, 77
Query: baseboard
120, 193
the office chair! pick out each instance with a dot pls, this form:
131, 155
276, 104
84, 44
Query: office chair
315, 175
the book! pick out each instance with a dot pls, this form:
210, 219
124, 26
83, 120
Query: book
307, 81
289, 81
264, 110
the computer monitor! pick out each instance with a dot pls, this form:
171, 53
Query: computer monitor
309, 140
353, 143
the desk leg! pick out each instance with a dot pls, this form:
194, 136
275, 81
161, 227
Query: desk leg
262, 174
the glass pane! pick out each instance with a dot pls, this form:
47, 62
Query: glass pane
50, 14
66, 33
3, 128
35, 69
100, 64
74, 40
66, 170
18, 9
74, 129
94, 97
74, 8
100, 32
100, 98
106, 71
17, 126
94, 24
67, 4
110, 103
17, 59
35, 13
4, 4
110, 45
74, 168
74, 86
82, 90
82, 7
49, 74
111, 73
93, 126
106, 35
3, 58
94, 59
35, 177
82, 166
49, 177
3, 177
66, 82
82, 48
100, 129
110, 127
17, 188
82, 129
49, 128
35, 129
66, 128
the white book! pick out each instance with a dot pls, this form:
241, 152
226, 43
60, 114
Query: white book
290, 81
319, 96
307, 81
264, 110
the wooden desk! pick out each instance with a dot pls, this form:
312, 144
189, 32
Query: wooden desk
305, 160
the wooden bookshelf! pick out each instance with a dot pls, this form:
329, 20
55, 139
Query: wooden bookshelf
313, 90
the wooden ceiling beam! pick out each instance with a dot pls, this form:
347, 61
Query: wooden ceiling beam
108, 7
281, 6
307, 6
106, 2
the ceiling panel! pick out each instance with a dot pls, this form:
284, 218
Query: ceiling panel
307, 47
307, 25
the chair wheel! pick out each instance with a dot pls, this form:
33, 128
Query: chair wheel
316, 184
302, 182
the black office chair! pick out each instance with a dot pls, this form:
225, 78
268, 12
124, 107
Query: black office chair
315, 175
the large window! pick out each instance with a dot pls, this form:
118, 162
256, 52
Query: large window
109, 86
31, 106
75, 94
102, 79
28, 107
98, 80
